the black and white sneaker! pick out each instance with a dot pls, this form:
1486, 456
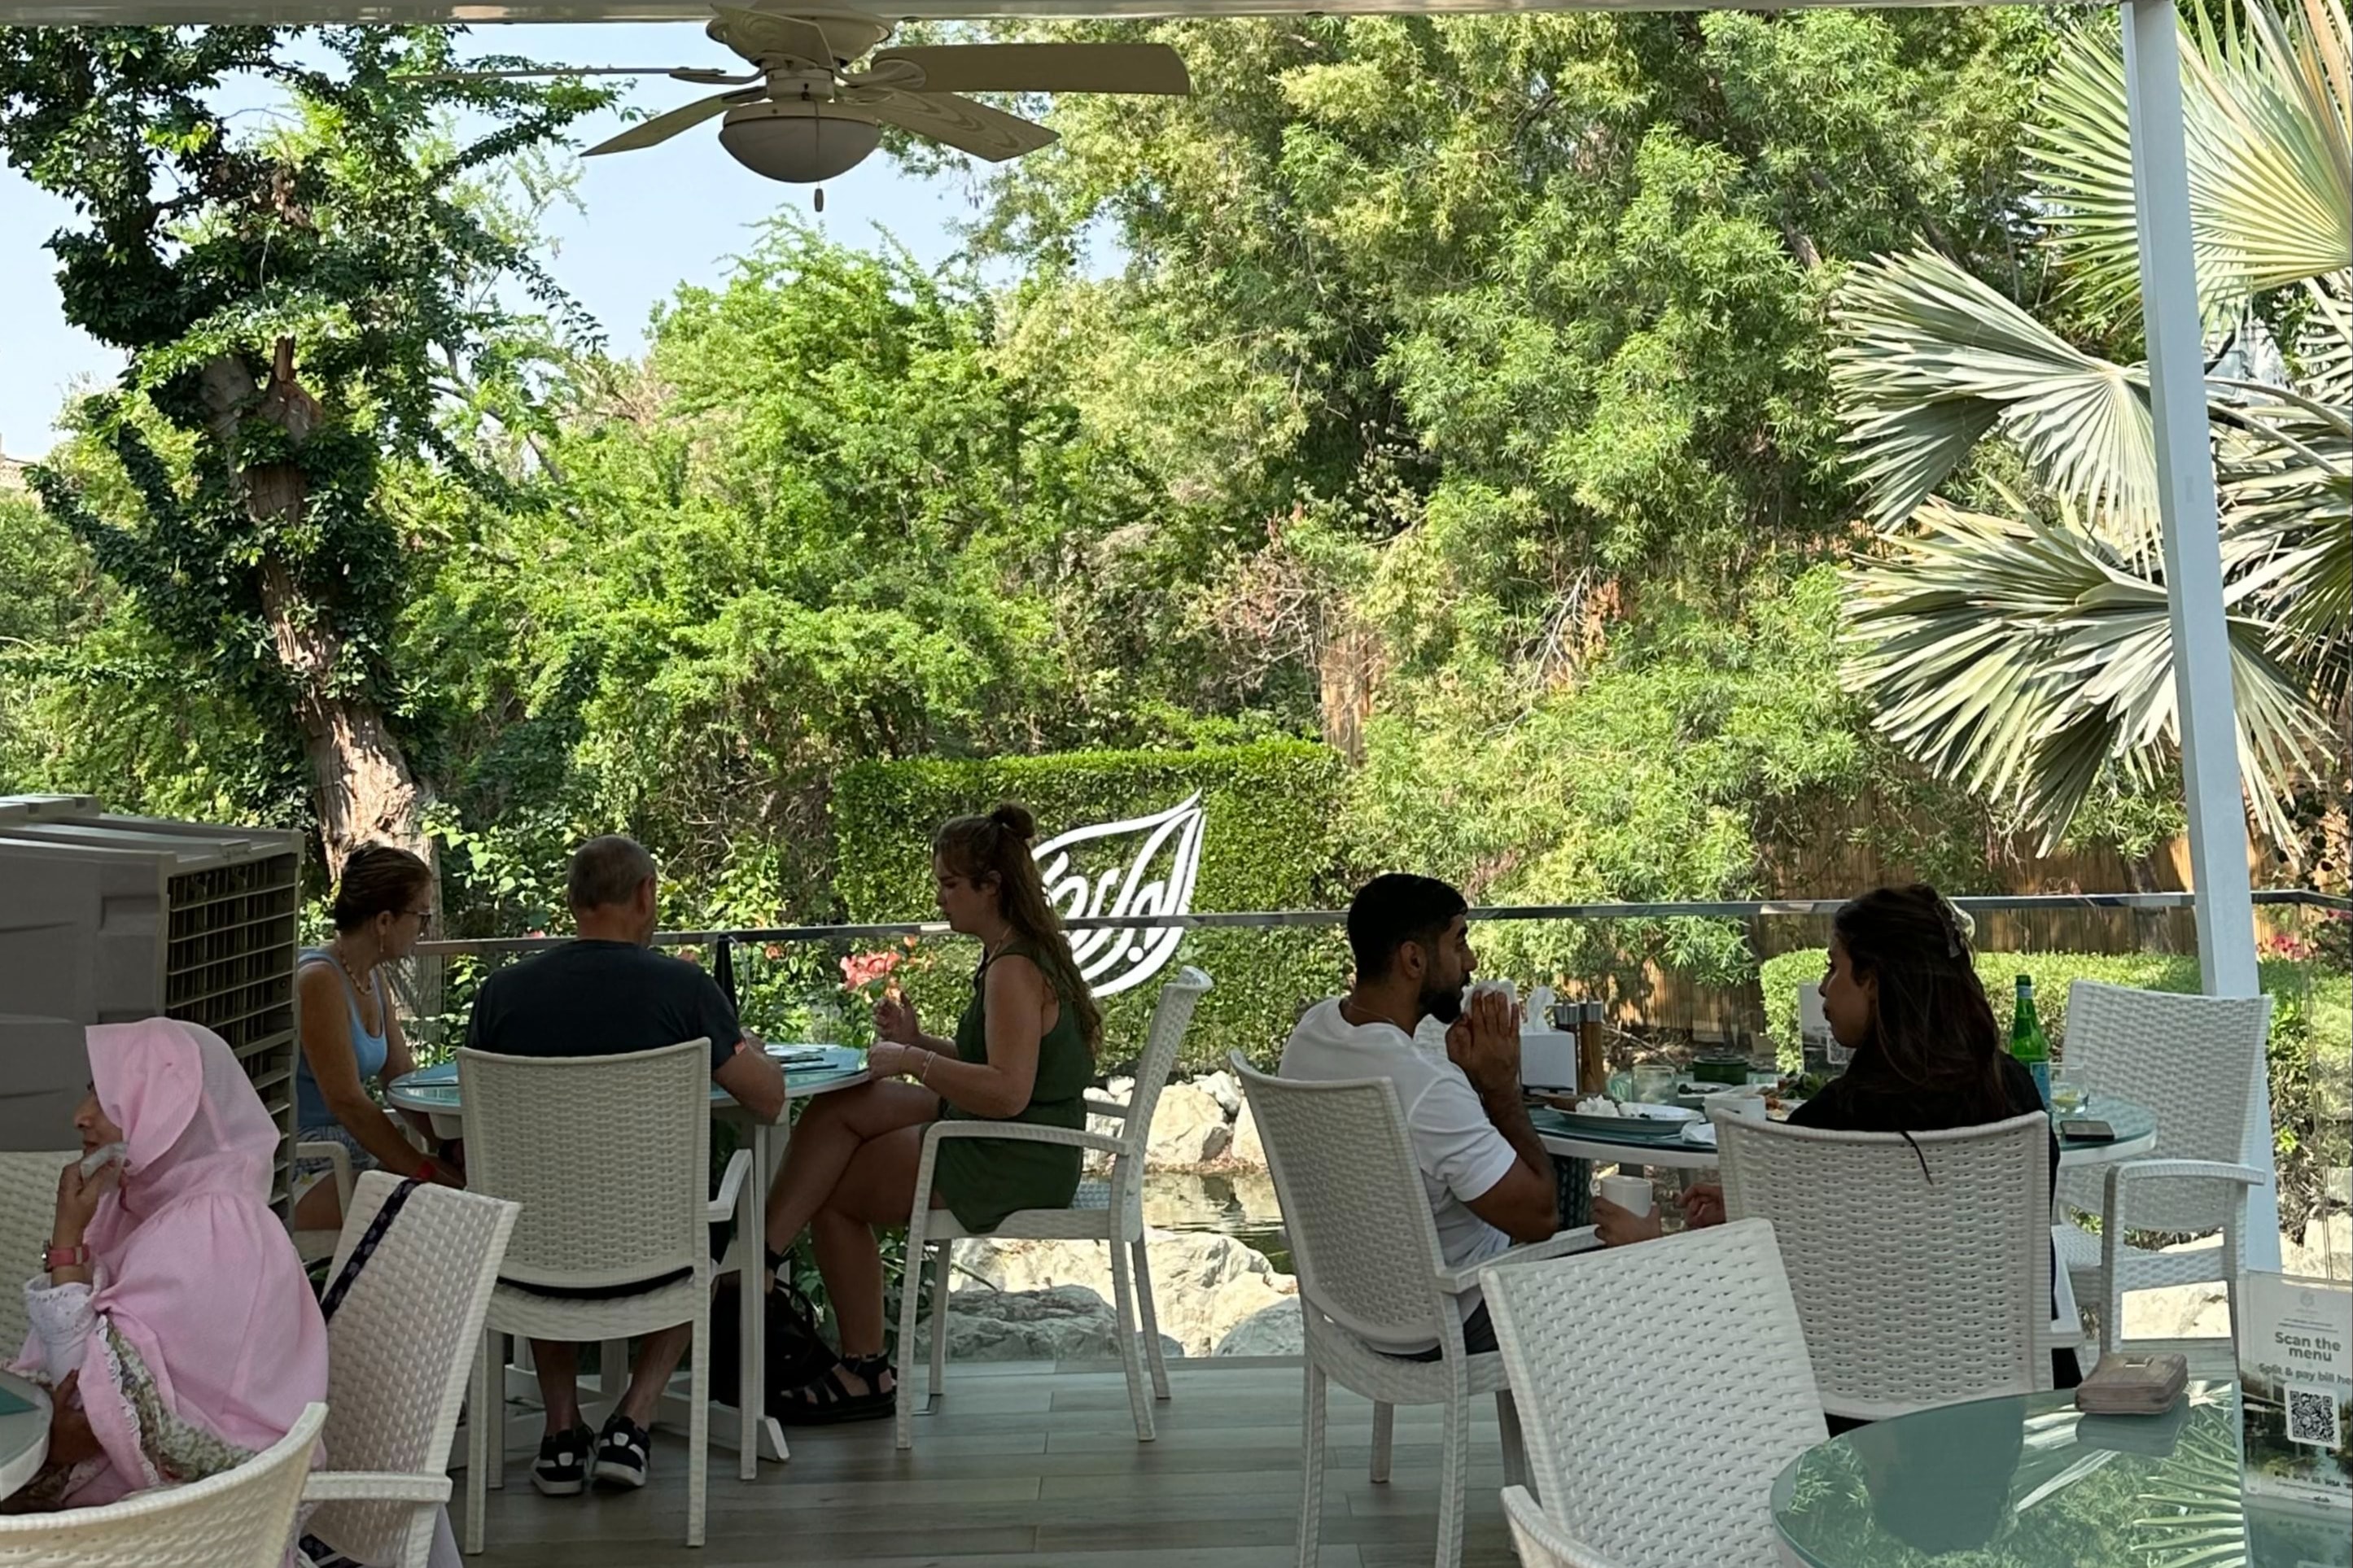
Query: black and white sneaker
562, 1467
621, 1453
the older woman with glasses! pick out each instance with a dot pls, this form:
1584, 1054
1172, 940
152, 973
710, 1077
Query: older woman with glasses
351, 1036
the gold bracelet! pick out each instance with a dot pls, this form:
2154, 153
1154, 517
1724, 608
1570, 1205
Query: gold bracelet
930, 1056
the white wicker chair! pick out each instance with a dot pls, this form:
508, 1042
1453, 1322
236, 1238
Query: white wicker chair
312, 1244
1920, 1263
1364, 1246
1540, 1541
242, 1517
2192, 1060
545, 1133
399, 1348
1663, 1386
29, 1210
1107, 1211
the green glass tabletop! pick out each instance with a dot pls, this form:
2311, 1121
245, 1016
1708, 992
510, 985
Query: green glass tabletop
2032, 1483
434, 1088
2130, 1120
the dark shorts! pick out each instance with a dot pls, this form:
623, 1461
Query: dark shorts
1478, 1338
720, 1235
601, 1292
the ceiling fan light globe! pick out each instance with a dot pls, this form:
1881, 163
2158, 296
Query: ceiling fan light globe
798, 149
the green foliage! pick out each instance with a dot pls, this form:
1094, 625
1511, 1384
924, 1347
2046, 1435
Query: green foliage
294, 297
1271, 841
1654, 775
2310, 1051
2029, 653
818, 524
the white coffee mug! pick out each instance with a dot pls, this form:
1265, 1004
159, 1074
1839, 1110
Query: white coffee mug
1747, 1107
1631, 1194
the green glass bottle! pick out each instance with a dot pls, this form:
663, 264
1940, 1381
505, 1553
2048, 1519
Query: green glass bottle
2027, 1042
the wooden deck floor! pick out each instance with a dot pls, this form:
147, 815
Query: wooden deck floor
1033, 1463
1029, 1463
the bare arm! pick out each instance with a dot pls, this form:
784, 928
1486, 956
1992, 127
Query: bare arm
1485, 1044
757, 1083
327, 1047
1015, 1000
399, 1061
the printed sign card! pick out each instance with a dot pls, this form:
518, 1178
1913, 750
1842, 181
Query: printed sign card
2296, 1391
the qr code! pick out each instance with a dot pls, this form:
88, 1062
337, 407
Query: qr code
2312, 1417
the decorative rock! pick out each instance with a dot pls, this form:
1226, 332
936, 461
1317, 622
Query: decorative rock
1202, 1284
2177, 1312
1244, 1151
1274, 1330
1067, 1323
1189, 1128
1222, 1086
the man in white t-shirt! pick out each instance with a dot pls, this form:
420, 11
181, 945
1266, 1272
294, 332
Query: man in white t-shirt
1489, 1179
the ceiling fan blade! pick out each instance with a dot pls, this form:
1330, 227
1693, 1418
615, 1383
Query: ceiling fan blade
561, 71
1046, 67
662, 127
757, 34
960, 123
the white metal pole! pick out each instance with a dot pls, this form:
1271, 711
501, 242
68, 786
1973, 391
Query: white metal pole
2193, 560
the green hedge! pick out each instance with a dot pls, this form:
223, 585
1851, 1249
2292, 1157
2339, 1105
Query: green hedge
1271, 841
2310, 1051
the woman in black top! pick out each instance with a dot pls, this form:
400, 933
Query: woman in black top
1902, 994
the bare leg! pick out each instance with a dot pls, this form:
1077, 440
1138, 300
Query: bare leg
658, 1356
558, 1361
321, 1208
878, 1188
828, 1138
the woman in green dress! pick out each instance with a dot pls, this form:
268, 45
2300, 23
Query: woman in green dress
1023, 1051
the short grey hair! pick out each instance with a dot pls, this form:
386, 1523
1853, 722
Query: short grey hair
606, 870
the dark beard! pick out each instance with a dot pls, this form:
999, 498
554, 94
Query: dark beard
1444, 1005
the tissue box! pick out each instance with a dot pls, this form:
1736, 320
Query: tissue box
1548, 1058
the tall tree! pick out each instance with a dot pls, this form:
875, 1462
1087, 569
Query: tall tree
296, 295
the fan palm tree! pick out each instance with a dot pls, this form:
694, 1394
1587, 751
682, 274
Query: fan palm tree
2022, 653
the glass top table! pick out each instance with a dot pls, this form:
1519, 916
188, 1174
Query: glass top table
2029, 1482
23, 1431
2135, 1127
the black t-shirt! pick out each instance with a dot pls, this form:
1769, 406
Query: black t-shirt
1869, 1099
600, 999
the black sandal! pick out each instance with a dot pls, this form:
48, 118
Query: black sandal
824, 1401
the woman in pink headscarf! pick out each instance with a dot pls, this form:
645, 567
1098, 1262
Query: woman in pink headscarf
174, 1325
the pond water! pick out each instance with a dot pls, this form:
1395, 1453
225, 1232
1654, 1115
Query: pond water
1239, 1203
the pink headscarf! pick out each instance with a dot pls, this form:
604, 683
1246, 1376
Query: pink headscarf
192, 1268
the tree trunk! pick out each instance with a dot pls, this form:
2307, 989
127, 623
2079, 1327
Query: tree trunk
363, 788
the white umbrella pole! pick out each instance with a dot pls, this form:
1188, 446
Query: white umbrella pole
2194, 559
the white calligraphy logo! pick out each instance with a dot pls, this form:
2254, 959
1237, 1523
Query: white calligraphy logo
1116, 959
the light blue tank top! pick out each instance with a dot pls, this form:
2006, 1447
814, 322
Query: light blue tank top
310, 1106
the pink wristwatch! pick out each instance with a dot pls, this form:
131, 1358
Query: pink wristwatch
54, 1257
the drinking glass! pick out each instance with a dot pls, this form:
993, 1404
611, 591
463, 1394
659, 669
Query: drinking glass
1655, 1084
2069, 1092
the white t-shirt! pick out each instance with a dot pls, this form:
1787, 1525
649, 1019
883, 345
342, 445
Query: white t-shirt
1460, 1153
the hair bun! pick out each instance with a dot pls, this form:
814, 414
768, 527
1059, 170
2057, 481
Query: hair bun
1015, 819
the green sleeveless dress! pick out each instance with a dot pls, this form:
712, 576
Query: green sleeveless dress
985, 1179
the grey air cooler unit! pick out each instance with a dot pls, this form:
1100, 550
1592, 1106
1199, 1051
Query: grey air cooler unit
109, 919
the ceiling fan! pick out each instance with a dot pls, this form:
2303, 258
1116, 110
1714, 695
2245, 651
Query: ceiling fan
804, 114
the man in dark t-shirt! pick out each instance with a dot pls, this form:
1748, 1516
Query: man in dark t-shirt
609, 993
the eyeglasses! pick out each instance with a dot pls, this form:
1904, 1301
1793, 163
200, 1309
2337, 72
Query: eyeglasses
424, 919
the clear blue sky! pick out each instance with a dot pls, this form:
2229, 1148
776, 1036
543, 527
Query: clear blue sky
655, 218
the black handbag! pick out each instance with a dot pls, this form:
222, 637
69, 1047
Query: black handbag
797, 1353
